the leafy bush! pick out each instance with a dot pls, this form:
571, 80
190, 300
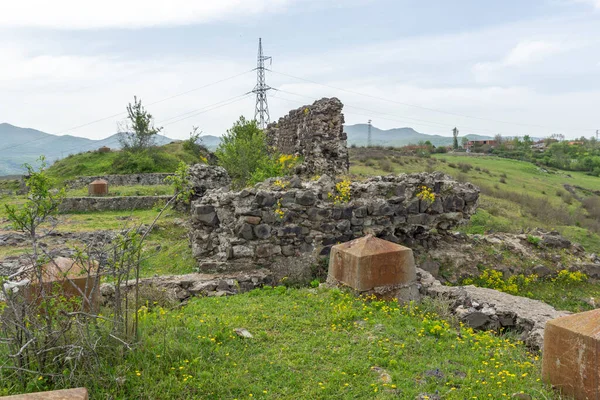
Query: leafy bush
242, 151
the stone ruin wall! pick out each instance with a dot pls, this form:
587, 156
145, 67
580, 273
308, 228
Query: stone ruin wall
288, 230
150, 179
315, 132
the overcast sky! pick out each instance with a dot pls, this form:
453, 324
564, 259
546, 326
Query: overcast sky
513, 67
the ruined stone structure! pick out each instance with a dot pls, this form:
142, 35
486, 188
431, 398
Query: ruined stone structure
315, 132
124, 203
287, 229
120, 180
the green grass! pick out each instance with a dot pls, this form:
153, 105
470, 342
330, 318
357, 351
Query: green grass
136, 190
310, 344
162, 159
517, 204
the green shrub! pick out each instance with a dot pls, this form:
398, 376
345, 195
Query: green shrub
242, 151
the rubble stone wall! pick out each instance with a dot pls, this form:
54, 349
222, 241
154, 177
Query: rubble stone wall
120, 180
315, 132
125, 203
287, 228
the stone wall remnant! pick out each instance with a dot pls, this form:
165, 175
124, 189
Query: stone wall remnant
287, 226
316, 133
120, 180
488, 309
374, 266
571, 351
124, 203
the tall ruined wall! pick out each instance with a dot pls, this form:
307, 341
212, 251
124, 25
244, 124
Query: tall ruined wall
286, 229
316, 132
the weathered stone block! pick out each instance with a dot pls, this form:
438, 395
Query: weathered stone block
369, 262
68, 394
571, 354
70, 279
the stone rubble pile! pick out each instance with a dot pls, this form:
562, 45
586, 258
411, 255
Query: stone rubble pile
488, 309
182, 287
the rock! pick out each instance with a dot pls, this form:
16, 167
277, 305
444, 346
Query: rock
433, 267
242, 332
541, 271
306, 198
555, 240
384, 376
262, 231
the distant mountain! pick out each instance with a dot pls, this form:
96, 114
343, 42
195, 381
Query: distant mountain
357, 134
24, 145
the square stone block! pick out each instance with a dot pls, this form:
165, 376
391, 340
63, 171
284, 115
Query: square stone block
571, 355
369, 262
68, 394
71, 277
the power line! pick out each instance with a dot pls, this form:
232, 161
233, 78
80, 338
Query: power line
403, 118
421, 107
205, 109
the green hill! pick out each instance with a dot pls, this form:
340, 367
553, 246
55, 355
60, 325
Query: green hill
156, 159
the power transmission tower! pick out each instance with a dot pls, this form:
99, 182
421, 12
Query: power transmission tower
261, 112
597, 133
369, 143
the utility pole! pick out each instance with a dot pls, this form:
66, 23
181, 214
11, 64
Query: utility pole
261, 112
369, 142
597, 133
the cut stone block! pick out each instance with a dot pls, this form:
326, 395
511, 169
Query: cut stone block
72, 278
571, 354
68, 394
372, 264
99, 187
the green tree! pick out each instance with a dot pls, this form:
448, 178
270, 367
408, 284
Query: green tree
464, 142
455, 138
139, 131
242, 150
41, 203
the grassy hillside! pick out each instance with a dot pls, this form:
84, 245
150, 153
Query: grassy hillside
309, 344
157, 159
516, 195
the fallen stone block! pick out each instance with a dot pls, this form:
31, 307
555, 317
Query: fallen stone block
68, 394
571, 353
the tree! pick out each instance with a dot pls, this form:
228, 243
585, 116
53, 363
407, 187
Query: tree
498, 139
138, 132
242, 150
455, 141
464, 142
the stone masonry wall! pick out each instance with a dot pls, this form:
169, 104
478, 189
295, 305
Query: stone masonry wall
125, 203
120, 180
287, 229
315, 132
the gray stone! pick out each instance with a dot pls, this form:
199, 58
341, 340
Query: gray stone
262, 231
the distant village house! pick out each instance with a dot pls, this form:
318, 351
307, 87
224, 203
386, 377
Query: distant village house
480, 143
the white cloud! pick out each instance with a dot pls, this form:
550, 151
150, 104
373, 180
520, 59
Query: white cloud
593, 3
94, 14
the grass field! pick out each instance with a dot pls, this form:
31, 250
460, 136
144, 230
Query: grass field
311, 344
516, 195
